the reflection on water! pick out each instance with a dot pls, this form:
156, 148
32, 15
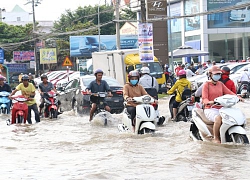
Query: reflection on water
73, 148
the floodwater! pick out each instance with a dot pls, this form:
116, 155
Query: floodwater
72, 148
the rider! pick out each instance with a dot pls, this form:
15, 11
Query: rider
179, 86
31, 79
149, 83
28, 90
226, 80
98, 85
4, 86
130, 90
45, 87
211, 90
244, 79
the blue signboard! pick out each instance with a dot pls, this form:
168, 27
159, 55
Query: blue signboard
84, 46
1, 56
17, 68
233, 18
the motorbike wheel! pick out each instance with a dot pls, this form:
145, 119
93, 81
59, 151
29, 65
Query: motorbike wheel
180, 117
4, 111
239, 138
146, 131
53, 114
19, 119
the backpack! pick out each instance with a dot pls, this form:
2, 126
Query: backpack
186, 93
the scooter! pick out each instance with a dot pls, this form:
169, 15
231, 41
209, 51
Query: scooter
233, 122
184, 110
4, 102
244, 90
100, 106
19, 111
145, 118
51, 105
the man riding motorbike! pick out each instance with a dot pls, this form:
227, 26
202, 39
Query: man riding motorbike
28, 90
244, 79
98, 85
4, 86
45, 87
130, 90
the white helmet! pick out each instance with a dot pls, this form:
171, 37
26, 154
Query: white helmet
145, 70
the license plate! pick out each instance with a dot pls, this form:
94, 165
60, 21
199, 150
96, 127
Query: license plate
116, 100
190, 108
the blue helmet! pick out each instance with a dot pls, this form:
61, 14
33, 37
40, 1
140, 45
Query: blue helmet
222, 61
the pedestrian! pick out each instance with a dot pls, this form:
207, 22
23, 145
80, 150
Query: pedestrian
28, 90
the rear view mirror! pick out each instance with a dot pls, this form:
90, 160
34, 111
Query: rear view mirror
60, 88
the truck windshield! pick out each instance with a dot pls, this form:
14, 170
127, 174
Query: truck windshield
155, 67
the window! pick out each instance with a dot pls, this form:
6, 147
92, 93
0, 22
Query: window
69, 85
18, 18
75, 83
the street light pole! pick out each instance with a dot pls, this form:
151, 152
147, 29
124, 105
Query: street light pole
1, 17
117, 16
99, 30
170, 34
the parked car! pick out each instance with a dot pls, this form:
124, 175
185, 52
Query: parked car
74, 95
63, 82
234, 67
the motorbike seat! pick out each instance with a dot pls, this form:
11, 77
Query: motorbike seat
201, 114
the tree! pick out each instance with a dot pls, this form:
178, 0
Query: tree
10, 34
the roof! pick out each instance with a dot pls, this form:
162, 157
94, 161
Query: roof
17, 8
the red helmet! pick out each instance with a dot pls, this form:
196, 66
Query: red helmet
182, 73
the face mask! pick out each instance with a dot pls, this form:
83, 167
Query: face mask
134, 82
216, 77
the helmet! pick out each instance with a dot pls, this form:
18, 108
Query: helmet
133, 74
145, 70
98, 71
44, 77
222, 61
2, 78
183, 65
215, 70
225, 70
182, 73
25, 77
166, 66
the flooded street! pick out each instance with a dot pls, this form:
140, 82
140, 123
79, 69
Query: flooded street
72, 148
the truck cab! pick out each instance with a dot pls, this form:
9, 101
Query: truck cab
132, 62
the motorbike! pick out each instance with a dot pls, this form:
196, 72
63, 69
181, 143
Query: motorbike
184, 110
100, 106
244, 90
51, 105
145, 118
233, 122
4, 102
19, 111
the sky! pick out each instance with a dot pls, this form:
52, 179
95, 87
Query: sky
48, 9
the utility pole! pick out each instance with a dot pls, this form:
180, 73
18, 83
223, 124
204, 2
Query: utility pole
35, 3
143, 11
117, 16
1, 17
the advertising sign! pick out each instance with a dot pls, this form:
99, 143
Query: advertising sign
48, 56
1, 56
145, 40
23, 55
192, 7
158, 9
175, 10
84, 46
234, 18
17, 67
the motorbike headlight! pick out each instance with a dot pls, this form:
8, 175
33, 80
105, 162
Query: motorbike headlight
47, 101
146, 99
228, 118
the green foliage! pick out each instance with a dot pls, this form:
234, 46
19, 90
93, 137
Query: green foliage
15, 34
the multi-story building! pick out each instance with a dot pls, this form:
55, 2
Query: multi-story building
225, 35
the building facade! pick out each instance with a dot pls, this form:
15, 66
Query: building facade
225, 35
